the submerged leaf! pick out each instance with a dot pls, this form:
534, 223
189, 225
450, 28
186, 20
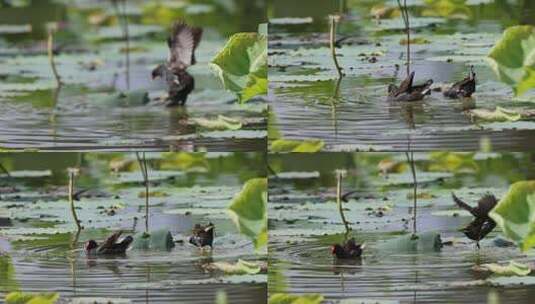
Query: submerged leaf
248, 210
156, 240
425, 241
513, 58
515, 214
242, 65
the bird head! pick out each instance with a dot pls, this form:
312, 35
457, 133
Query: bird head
336, 249
90, 245
158, 71
472, 73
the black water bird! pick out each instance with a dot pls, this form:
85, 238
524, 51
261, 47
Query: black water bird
464, 88
347, 250
110, 246
409, 92
182, 43
202, 235
482, 224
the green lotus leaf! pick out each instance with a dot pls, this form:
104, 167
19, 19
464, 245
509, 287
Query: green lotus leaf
513, 58
248, 210
515, 214
26, 298
242, 65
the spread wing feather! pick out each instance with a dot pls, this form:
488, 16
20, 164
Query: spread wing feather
182, 43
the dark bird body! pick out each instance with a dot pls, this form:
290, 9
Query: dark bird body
182, 43
348, 250
110, 246
482, 223
463, 88
202, 235
409, 92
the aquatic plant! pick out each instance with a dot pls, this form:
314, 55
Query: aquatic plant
242, 65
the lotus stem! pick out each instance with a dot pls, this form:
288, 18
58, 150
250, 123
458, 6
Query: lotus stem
410, 160
72, 173
332, 39
339, 177
143, 165
50, 49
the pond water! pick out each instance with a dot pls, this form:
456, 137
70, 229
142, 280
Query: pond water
310, 103
86, 112
304, 223
40, 252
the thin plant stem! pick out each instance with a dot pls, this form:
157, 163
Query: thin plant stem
50, 49
406, 21
72, 173
123, 22
127, 41
143, 165
410, 160
332, 44
339, 177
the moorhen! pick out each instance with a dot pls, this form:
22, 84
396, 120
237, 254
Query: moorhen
482, 223
110, 246
409, 92
463, 88
202, 235
182, 43
348, 250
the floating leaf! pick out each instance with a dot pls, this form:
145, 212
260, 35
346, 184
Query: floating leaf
417, 40
240, 267
305, 146
499, 114
513, 58
220, 123
242, 65
513, 269
283, 298
27, 298
515, 214
248, 210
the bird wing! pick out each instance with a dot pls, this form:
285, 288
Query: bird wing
464, 205
182, 43
406, 84
486, 204
110, 241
